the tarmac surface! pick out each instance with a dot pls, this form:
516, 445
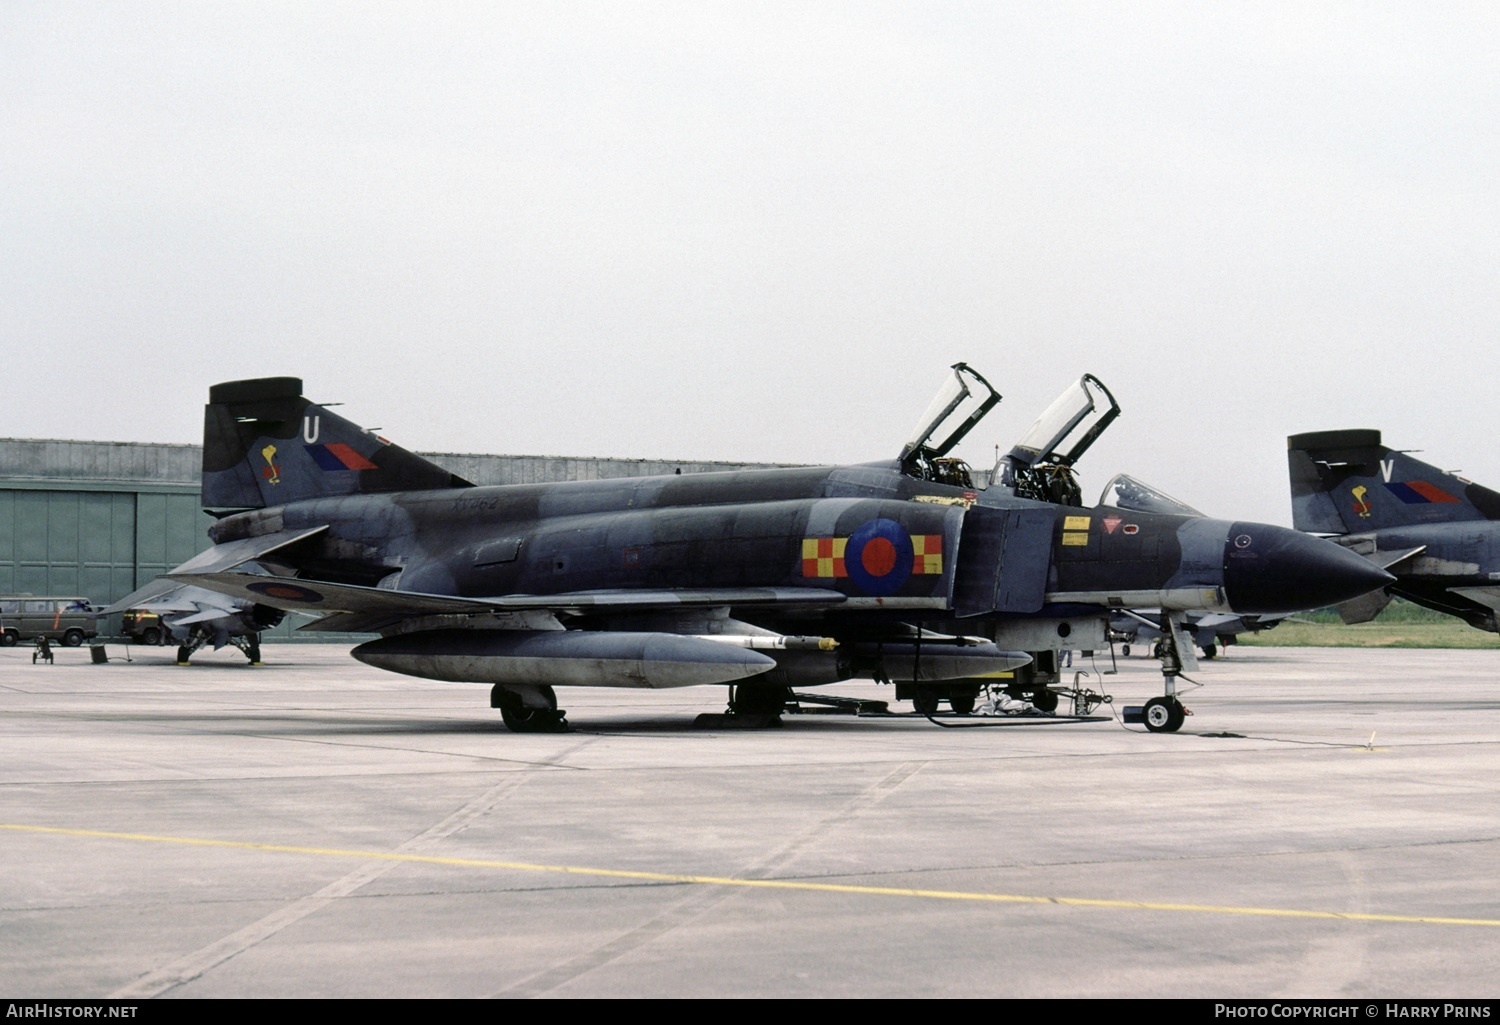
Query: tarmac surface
1327, 824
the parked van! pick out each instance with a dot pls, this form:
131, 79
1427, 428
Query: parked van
144, 627
25, 617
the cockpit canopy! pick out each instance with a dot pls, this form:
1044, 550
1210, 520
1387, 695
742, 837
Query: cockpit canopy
1040, 466
961, 403
1068, 427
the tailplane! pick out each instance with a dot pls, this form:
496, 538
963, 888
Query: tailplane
266, 445
1347, 482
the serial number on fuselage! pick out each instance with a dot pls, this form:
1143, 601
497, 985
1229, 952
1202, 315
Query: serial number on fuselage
468, 505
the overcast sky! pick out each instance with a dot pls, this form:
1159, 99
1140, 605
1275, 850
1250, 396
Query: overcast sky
761, 231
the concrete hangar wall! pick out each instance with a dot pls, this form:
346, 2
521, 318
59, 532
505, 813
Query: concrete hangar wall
99, 519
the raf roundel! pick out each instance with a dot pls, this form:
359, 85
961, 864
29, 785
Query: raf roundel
878, 557
285, 592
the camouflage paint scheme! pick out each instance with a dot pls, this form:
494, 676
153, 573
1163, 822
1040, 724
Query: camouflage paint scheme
792, 576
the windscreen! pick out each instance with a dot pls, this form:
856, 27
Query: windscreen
1125, 492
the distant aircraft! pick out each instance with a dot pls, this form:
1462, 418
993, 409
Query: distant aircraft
1211, 631
195, 616
1437, 532
903, 570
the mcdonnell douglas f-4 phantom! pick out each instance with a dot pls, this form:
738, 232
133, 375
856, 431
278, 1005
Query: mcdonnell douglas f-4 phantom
903, 570
1438, 533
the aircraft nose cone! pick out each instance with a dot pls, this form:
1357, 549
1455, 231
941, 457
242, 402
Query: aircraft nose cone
1273, 569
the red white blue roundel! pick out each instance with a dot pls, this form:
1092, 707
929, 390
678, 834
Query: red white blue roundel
878, 557
285, 591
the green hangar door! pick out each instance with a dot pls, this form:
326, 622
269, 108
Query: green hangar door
100, 545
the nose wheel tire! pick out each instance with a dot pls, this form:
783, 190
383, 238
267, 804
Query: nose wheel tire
1164, 715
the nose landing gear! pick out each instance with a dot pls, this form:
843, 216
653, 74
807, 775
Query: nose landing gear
1166, 714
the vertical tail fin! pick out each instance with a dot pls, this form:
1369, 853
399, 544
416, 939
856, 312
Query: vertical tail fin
1347, 482
265, 445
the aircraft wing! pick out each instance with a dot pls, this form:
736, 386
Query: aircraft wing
368, 608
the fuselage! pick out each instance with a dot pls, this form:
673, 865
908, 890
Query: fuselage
882, 539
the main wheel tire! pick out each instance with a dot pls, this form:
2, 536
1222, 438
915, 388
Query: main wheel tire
1164, 715
73, 638
1210, 651
520, 718
183, 654
753, 699
1125, 650
1044, 700
531, 720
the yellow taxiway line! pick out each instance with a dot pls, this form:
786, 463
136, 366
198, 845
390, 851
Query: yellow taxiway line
761, 884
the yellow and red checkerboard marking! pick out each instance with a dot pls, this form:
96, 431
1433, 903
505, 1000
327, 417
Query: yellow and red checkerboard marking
824, 556
927, 553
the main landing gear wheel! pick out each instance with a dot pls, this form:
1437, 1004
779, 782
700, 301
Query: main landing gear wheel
925, 700
519, 717
760, 699
1044, 700
1164, 715
1210, 651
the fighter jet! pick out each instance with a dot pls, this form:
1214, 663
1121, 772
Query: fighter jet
1437, 532
195, 616
905, 570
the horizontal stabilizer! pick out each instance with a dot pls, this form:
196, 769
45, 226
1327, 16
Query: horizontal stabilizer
157, 591
204, 616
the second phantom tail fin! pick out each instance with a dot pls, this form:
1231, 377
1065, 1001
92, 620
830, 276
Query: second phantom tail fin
1347, 482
